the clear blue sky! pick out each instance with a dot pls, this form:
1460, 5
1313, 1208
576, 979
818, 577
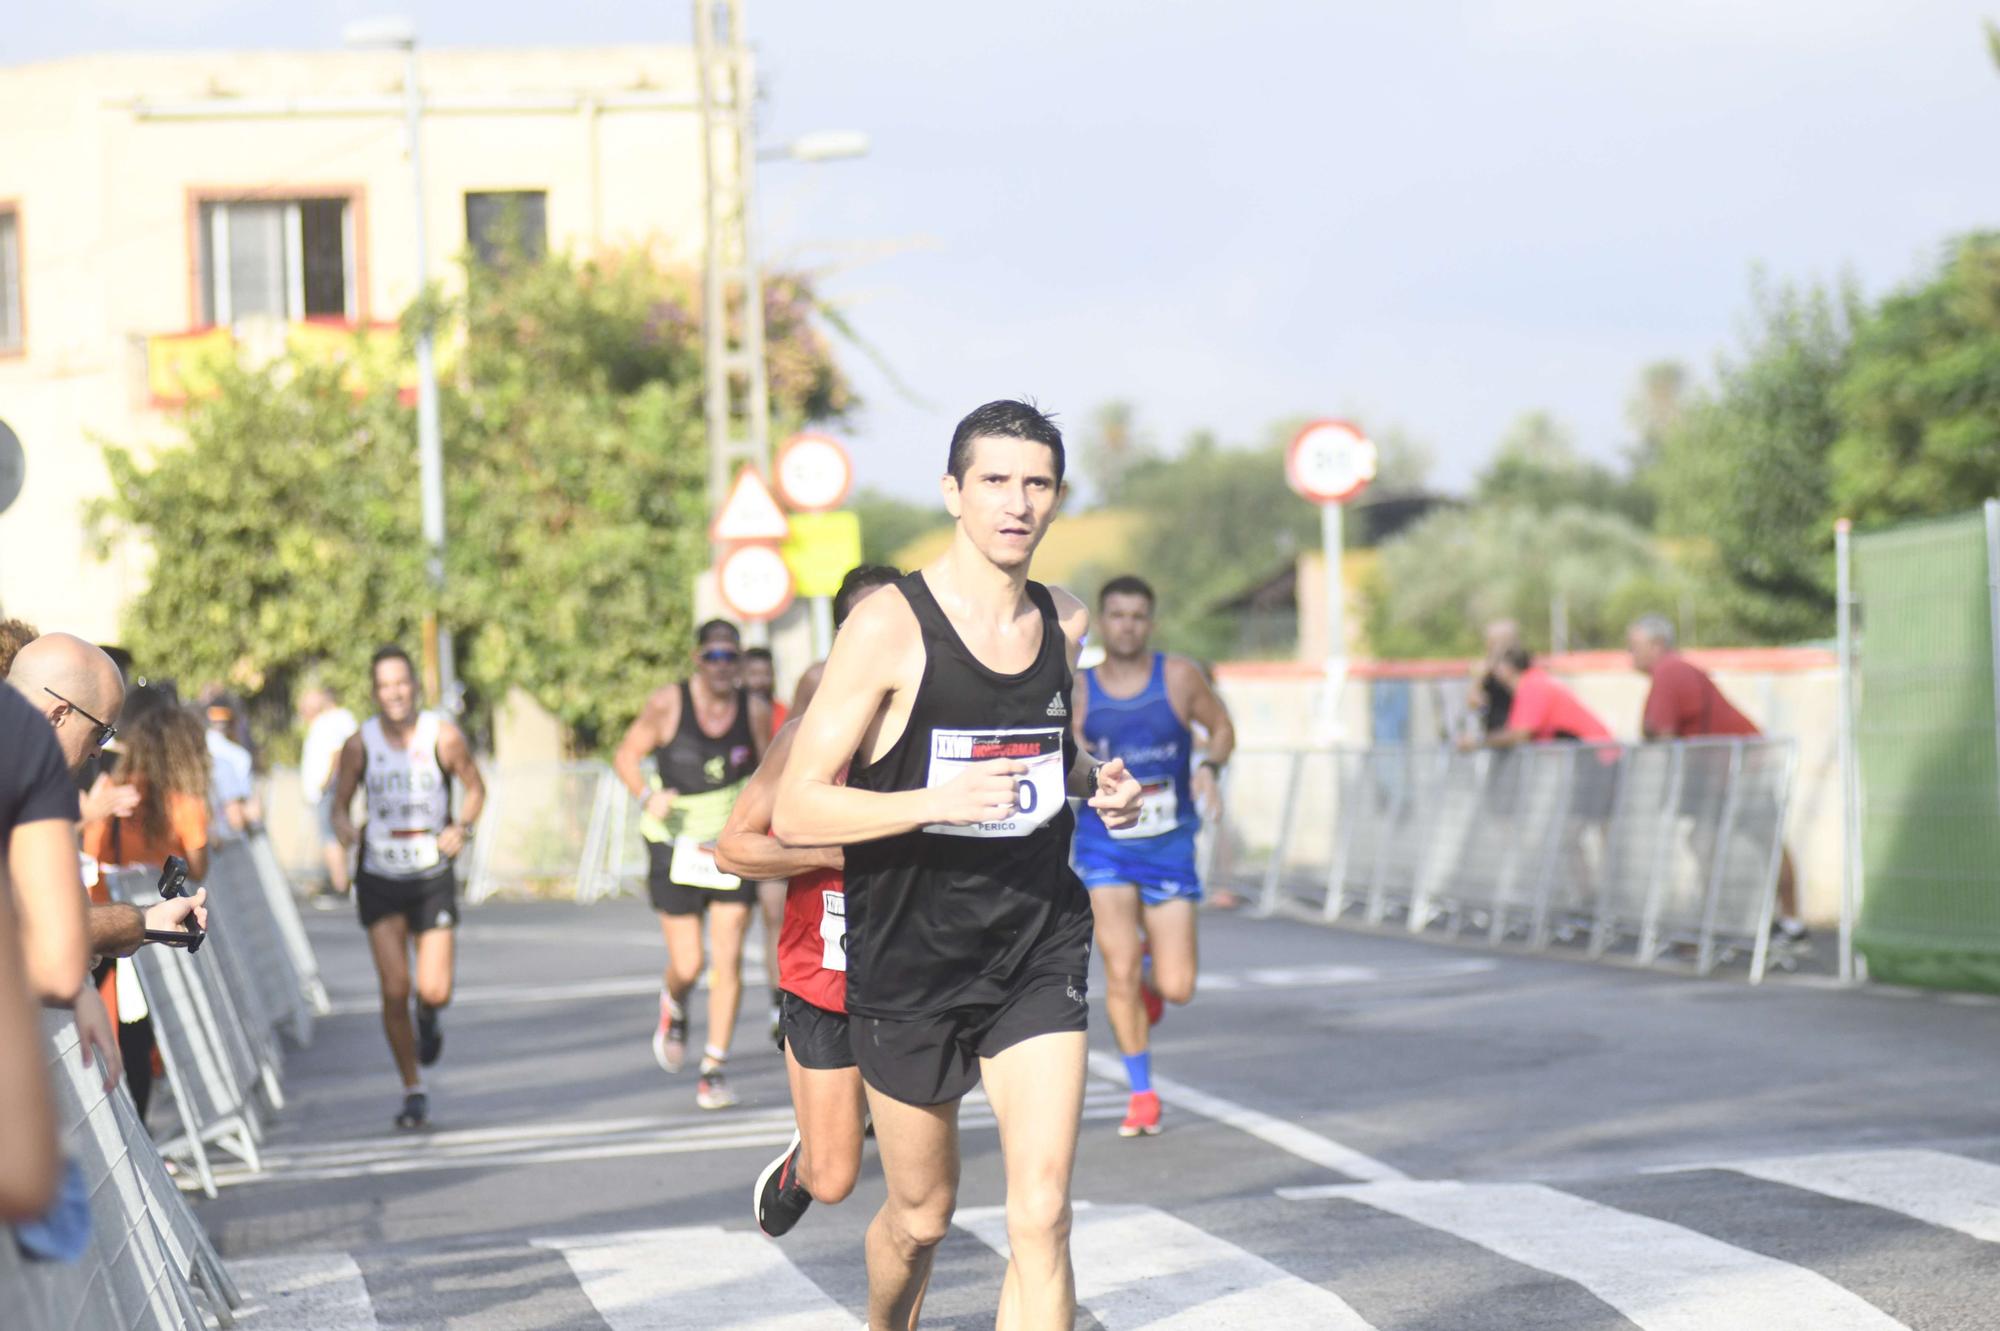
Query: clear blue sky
1435, 214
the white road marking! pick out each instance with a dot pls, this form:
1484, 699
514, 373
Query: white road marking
1138, 1267
1949, 1191
1301, 1142
670, 1279
1663, 1277
323, 1291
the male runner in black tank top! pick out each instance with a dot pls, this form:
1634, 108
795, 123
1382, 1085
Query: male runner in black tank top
706, 736
968, 937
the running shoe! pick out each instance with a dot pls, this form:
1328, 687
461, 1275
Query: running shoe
712, 1091
416, 1111
1156, 1007
430, 1040
1789, 930
1142, 1115
670, 1041
779, 1199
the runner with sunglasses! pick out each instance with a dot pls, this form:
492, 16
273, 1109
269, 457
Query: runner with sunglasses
705, 736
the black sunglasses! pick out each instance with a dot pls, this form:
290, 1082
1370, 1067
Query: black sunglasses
721, 655
106, 732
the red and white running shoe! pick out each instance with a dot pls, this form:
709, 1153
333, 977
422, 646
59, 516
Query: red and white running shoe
1142, 1115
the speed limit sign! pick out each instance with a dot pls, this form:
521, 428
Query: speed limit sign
814, 473
1330, 461
755, 582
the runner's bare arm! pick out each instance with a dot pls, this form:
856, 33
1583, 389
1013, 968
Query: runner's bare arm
455, 755
1115, 793
878, 655
346, 777
654, 725
1197, 701
808, 685
746, 847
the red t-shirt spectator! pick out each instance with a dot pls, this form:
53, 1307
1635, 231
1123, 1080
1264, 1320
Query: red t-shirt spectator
1548, 711
1685, 703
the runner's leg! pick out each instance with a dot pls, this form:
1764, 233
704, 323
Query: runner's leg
1170, 930
830, 1110
683, 937
1116, 909
389, 941
919, 1148
1036, 1089
727, 927
437, 951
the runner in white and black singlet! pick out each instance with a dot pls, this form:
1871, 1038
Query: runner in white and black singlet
705, 736
968, 936
405, 888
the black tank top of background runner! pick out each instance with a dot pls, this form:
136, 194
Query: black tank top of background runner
693, 762
937, 921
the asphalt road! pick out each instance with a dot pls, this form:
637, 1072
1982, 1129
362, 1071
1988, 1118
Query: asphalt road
1362, 1131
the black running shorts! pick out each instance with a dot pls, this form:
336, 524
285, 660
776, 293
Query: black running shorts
672, 898
430, 902
817, 1038
935, 1060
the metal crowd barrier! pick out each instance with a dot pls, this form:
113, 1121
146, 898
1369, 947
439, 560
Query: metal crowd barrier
1660, 848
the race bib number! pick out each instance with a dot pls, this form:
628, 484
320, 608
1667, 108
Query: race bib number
1039, 792
1159, 813
405, 854
833, 930
693, 866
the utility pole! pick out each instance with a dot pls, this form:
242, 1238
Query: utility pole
736, 396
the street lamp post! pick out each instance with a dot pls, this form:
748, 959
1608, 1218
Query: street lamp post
400, 34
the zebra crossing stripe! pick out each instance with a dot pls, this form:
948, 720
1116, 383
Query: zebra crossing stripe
1661, 1276
701, 1276
323, 1291
1139, 1267
1950, 1191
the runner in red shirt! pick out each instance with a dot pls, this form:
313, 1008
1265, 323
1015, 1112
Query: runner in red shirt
824, 1157
760, 677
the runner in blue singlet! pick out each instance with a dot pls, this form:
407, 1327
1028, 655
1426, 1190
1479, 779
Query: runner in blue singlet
1138, 705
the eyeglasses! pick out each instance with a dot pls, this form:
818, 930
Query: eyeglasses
106, 732
721, 656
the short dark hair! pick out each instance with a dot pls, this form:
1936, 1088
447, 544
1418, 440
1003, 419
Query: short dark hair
1004, 419
1126, 584
1518, 657
863, 577
390, 652
715, 628
757, 654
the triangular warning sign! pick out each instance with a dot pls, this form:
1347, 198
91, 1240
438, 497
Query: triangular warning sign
751, 513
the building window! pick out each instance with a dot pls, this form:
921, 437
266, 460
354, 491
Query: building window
12, 315
504, 224
277, 258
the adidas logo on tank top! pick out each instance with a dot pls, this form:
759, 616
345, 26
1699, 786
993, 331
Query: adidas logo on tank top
1057, 707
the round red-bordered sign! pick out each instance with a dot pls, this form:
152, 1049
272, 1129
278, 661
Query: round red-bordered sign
813, 473
1330, 461
754, 582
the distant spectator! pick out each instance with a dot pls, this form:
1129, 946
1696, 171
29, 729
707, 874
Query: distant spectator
1684, 703
1489, 699
760, 676
14, 635
164, 757
328, 728
233, 783
1542, 708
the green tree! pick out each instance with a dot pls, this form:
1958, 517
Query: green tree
1537, 466
1217, 519
1111, 450
1743, 475
285, 532
1438, 584
1919, 403
889, 523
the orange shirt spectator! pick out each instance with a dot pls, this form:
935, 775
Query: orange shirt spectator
128, 840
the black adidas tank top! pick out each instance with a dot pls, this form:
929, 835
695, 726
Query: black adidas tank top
950, 917
694, 762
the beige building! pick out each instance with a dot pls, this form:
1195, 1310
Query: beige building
156, 208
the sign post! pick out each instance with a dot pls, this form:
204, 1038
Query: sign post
1330, 463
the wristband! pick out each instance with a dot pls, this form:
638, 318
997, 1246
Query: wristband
1095, 769
1211, 765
